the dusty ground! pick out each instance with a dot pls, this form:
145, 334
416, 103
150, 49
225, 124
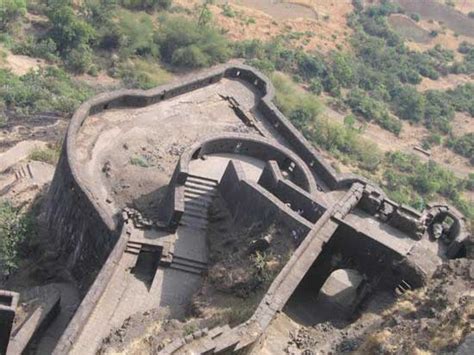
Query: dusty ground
412, 136
442, 19
464, 6
234, 286
144, 148
317, 25
432, 320
449, 81
19, 64
446, 37
240, 271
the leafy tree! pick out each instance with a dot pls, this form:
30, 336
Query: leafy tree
11, 10
310, 67
463, 145
407, 103
68, 30
183, 43
14, 229
343, 69
147, 4
372, 110
135, 34
49, 89
438, 111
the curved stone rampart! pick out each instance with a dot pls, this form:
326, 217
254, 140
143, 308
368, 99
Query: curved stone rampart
71, 226
86, 230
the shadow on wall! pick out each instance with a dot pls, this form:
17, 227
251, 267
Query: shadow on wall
148, 204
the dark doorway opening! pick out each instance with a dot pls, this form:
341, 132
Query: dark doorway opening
6, 300
146, 265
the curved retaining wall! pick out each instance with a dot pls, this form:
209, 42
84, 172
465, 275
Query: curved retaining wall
172, 206
85, 230
83, 226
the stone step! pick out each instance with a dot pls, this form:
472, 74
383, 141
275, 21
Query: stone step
184, 268
136, 247
191, 222
194, 221
199, 186
21, 172
402, 288
196, 214
189, 201
198, 196
197, 209
198, 265
202, 179
198, 193
215, 332
133, 251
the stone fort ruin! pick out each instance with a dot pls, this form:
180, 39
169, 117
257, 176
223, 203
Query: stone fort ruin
137, 239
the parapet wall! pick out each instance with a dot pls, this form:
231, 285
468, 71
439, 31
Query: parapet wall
297, 199
249, 202
79, 230
172, 206
86, 232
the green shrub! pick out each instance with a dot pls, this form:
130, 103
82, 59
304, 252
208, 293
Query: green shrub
132, 33
68, 29
316, 87
44, 90
14, 230
463, 145
142, 74
469, 182
372, 110
47, 155
407, 103
147, 4
184, 43
79, 60
140, 161
304, 111
228, 11
10, 11
45, 48
415, 17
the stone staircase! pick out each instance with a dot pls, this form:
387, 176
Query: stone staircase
23, 171
402, 288
135, 247
188, 265
199, 193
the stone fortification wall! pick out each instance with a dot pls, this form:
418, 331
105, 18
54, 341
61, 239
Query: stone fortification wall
81, 225
249, 202
86, 232
82, 233
172, 206
93, 295
297, 199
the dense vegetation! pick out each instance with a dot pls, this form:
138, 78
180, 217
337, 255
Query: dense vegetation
14, 229
405, 177
463, 145
45, 90
141, 41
